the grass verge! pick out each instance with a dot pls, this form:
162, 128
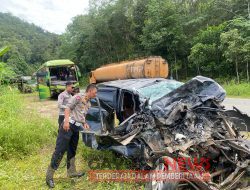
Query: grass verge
29, 173
27, 142
241, 90
22, 131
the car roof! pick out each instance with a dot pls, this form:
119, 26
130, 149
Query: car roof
131, 84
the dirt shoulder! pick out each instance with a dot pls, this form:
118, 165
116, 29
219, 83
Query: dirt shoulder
45, 108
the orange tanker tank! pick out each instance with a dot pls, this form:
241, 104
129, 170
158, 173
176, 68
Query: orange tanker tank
152, 67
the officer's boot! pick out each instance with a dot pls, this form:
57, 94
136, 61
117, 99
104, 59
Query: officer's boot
71, 169
49, 177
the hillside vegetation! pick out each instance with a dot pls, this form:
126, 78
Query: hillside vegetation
30, 45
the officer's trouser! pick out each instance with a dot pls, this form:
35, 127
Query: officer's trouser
60, 121
66, 141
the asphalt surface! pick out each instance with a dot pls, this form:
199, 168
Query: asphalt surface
242, 104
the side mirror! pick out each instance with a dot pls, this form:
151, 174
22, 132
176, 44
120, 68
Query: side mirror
78, 71
144, 104
48, 83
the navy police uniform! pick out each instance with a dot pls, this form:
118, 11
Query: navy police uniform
68, 140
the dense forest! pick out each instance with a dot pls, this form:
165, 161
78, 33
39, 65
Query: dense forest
197, 37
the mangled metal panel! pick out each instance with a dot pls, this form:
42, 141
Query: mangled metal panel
193, 93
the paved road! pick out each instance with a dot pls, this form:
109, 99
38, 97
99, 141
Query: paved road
242, 104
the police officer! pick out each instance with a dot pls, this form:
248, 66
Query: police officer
68, 135
63, 100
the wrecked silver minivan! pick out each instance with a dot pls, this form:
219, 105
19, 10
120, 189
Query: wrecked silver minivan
161, 119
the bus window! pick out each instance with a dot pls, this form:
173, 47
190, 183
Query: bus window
63, 73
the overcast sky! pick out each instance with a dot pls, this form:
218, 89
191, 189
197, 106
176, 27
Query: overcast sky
51, 15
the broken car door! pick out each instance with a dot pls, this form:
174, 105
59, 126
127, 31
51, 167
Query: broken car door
95, 121
108, 97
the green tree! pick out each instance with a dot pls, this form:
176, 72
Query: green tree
246, 55
186, 33
30, 45
4, 50
232, 43
102, 36
5, 70
163, 33
205, 55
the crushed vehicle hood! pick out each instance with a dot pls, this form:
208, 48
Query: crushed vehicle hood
188, 122
193, 94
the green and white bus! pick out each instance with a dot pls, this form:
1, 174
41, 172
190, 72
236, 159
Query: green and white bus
53, 75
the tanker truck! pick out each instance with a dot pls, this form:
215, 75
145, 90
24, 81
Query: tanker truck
151, 67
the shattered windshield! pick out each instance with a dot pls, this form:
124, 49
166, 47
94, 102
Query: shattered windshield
160, 89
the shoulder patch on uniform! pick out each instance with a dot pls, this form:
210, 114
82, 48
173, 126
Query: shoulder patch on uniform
78, 97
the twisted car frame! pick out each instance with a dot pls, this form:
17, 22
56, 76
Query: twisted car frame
151, 120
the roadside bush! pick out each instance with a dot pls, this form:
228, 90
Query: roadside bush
84, 81
21, 130
242, 89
